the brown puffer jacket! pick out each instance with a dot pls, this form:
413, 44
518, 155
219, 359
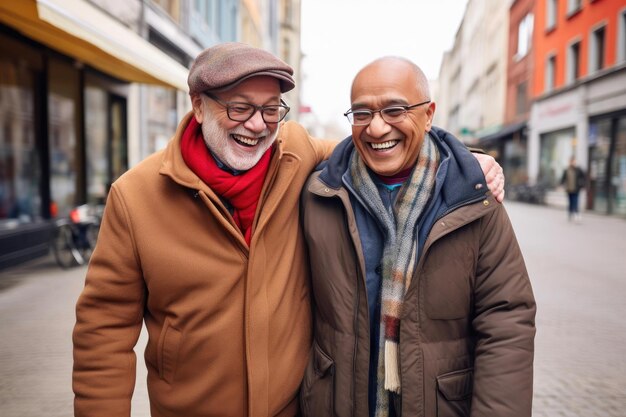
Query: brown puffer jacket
467, 329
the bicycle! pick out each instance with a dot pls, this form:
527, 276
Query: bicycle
75, 237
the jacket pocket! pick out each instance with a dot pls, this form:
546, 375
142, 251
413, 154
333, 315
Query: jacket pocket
167, 352
316, 393
454, 393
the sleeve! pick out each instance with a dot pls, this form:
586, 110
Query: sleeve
504, 323
109, 315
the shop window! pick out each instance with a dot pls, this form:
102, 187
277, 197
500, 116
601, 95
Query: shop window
573, 62
597, 49
556, 150
599, 151
65, 163
618, 169
20, 173
162, 120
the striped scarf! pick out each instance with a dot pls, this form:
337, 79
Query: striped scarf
399, 255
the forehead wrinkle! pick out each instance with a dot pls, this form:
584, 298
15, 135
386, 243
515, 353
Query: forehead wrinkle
366, 102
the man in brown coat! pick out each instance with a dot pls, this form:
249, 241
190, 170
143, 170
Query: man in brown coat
421, 301
202, 243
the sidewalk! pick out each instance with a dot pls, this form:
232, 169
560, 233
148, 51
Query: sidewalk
578, 273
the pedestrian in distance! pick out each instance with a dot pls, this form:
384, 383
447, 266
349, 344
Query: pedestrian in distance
422, 305
202, 243
573, 180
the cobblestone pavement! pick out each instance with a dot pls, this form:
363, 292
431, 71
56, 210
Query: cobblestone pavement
578, 273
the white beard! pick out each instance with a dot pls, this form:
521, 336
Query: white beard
220, 143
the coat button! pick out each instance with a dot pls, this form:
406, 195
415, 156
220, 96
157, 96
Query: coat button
326, 189
378, 269
478, 186
485, 203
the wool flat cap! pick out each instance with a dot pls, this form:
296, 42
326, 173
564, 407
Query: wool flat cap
225, 65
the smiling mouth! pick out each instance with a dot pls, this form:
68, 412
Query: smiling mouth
382, 146
245, 141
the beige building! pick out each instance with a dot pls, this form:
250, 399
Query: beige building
472, 76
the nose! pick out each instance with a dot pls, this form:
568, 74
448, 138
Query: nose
255, 123
378, 127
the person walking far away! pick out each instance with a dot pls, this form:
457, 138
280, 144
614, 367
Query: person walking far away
421, 300
573, 180
202, 243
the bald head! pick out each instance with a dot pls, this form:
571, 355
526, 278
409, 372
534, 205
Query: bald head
391, 66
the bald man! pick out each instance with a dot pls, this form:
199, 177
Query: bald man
421, 300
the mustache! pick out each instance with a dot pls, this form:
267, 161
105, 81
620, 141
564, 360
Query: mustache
247, 133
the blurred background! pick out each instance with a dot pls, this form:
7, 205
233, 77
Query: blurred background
88, 88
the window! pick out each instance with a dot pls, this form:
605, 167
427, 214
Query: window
573, 62
573, 6
63, 128
597, 49
551, 14
524, 36
621, 41
550, 73
521, 98
20, 175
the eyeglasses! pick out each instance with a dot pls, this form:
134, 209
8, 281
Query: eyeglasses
242, 112
391, 114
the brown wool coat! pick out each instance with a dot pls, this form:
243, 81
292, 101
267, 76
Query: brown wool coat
229, 327
467, 329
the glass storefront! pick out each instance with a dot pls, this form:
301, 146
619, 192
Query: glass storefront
599, 151
161, 114
96, 143
63, 135
607, 162
63, 140
556, 150
618, 169
20, 168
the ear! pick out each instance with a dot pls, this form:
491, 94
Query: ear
430, 113
198, 107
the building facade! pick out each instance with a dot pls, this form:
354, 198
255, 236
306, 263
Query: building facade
579, 107
509, 144
472, 78
88, 88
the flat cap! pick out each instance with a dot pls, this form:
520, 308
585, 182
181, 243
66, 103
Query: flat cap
225, 65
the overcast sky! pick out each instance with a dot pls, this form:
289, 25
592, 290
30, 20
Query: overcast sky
341, 36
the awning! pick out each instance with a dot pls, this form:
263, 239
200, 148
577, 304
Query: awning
504, 132
81, 31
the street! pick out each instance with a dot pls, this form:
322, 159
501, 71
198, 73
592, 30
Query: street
578, 272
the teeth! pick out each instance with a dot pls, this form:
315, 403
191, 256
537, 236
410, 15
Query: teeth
247, 141
384, 145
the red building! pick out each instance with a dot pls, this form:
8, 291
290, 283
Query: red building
575, 38
579, 99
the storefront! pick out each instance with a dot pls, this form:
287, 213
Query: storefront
64, 93
509, 147
607, 164
587, 121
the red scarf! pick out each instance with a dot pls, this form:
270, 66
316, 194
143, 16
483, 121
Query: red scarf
242, 191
